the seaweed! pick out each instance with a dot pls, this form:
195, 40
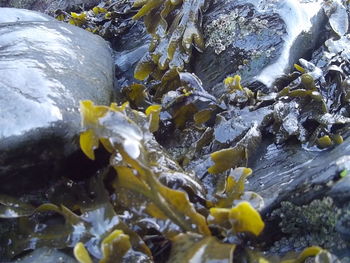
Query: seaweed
143, 186
84, 220
129, 142
109, 19
175, 28
147, 204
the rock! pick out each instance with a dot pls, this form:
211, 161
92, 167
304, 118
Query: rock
129, 49
294, 173
304, 196
12, 15
257, 40
48, 5
46, 255
46, 67
235, 123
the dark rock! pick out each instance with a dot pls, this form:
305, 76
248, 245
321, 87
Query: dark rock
306, 201
292, 172
129, 49
46, 68
257, 40
235, 123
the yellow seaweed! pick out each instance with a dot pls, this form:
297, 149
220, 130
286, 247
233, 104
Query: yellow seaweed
245, 218
324, 142
114, 247
233, 83
153, 113
81, 254
226, 159
88, 143
190, 247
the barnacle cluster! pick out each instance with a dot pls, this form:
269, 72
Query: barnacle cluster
221, 32
313, 223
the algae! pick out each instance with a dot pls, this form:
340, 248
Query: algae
150, 205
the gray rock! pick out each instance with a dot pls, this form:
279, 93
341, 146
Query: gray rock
48, 5
259, 40
46, 255
46, 67
12, 15
294, 173
306, 200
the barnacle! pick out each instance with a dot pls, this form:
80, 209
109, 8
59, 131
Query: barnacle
172, 43
309, 224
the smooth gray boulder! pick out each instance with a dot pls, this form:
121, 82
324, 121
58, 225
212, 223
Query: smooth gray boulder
48, 5
46, 68
46, 255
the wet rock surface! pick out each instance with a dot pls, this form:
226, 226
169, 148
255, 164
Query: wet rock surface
46, 68
46, 255
289, 132
48, 5
294, 173
257, 40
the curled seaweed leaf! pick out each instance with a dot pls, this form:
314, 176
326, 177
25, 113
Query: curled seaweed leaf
153, 113
306, 253
115, 246
136, 94
81, 254
226, 159
237, 155
233, 83
88, 143
324, 142
309, 254
77, 19
234, 187
87, 221
243, 218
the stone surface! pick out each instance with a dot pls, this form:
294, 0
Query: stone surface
257, 40
47, 5
46, 67
292, 172
306, 200
46, 255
